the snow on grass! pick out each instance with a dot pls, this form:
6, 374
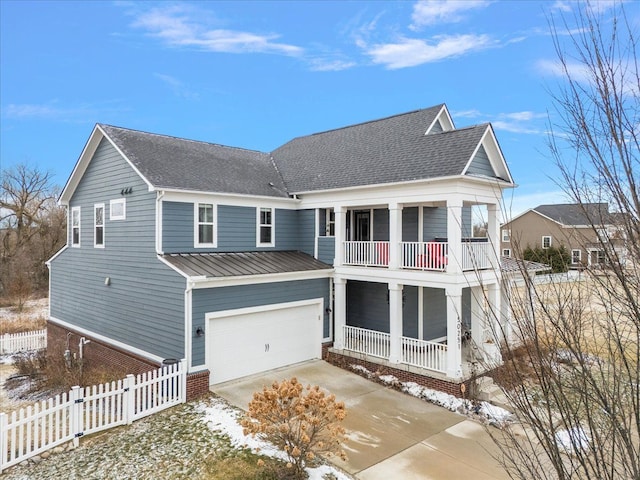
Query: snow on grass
225, 419
492, 413
573, 439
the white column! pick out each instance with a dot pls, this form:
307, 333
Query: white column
395, 322
494, 319
477, 314
493, 232
340, 311
395, 234
454, 327
454, 235
340, 233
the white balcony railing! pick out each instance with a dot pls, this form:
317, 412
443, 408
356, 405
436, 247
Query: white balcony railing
368, 254
369, 342
476, 255
422, 353
425, 255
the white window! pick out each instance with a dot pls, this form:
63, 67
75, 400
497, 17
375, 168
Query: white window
506, 252
576, 256
330, 222
506, 235
118, 209
75, 227
98, 225
265, 227
546, 241
205, 225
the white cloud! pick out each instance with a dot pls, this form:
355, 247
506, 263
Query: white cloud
523, 116
409, 52
179, 88
430, 12
329, 65
515, 127
180, 26
53, 111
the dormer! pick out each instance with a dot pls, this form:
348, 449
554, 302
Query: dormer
442, 122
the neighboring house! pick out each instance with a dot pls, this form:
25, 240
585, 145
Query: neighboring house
348, 244
568, 225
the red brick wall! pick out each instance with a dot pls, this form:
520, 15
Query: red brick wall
344, 362
102, 354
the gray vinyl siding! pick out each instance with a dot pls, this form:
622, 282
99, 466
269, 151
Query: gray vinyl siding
467, 222
306, 231
410, 311
434, 309
144, 304
326, 249
480, 165
236, 229
381, 225
322, 222
367, 305
434, 223
466, 308
410, 224
243, 296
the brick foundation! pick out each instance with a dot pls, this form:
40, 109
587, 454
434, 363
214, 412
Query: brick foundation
344, 362
108, 356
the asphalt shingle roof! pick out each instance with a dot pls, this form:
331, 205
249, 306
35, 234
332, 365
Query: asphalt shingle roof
393, 149
215, 265
177, 163
575, 214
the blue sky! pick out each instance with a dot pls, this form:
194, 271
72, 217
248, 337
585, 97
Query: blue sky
257, 74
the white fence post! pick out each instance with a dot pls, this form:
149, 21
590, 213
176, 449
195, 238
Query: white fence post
129, 400
182, 368
76, 412
3, 440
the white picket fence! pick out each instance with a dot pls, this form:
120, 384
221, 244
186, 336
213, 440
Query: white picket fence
83, 411
23, 342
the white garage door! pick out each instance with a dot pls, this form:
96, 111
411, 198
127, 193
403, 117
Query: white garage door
250, 340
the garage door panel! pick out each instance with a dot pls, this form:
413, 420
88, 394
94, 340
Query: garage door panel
248, 343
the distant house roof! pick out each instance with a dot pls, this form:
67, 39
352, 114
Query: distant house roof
514, 265
577, 214
218, 265
389, 150
176, 163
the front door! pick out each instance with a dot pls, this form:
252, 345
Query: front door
362, 219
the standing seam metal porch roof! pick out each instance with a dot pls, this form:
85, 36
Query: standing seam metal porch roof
236, 264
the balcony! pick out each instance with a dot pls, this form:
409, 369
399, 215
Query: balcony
476, 254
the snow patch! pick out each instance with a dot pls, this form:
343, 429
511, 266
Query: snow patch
573, 439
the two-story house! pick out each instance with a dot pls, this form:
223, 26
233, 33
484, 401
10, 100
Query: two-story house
580, 228
351, 243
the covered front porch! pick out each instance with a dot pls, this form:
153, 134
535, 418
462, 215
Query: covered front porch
436, 332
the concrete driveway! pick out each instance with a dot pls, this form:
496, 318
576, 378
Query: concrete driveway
390, 434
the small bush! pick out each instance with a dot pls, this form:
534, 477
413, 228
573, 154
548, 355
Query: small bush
303, 422
22, 324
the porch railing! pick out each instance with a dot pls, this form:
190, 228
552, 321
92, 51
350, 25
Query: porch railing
425, 354
368, 254
365, 341
476, 255
425, 255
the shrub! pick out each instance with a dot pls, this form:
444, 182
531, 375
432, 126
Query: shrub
557, 258
303, 422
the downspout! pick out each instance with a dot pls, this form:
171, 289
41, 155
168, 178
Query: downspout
188, 354
159, 245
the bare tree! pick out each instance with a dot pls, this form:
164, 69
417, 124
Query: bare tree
572, 363
32, 227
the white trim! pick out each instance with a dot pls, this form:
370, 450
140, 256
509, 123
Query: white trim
271, 225
316, 231
204, 282
330, 306
102, 338
97, 206
265, 308
188, 325
172, 267
550, 241
502, 233
579, 255
79, 210
197, 223
118, 201
506, 252
159, 219
55, 255
236, 200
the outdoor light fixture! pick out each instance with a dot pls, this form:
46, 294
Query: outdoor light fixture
107, 281
200, 331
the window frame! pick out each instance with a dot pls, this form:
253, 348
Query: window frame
260, 226
213, 223
118, 201
97, 206
573, 251
75, 244
506, 252
550, 241
506, 238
